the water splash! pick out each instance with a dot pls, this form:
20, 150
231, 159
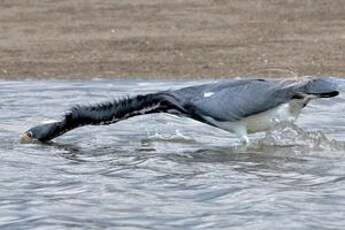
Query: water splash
290, 135
177, 137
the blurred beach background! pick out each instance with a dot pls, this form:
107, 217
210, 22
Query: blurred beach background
86, 39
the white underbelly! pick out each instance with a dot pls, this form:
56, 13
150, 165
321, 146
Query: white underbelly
260, 122
269, 119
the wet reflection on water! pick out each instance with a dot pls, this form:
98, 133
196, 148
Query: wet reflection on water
163, 172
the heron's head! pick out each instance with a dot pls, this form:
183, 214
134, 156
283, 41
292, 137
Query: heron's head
322, 87
43, 132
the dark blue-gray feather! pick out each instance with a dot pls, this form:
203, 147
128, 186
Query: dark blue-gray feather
234, 100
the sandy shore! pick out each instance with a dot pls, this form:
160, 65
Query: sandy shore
170, 39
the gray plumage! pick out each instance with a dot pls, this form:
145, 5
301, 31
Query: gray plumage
233, 100
224, 104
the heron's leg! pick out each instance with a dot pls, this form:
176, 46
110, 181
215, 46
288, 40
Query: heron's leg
241, 132
244, 140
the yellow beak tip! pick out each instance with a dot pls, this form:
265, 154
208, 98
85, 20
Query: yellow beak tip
25, 138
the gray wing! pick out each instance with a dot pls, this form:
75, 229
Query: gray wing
235, 100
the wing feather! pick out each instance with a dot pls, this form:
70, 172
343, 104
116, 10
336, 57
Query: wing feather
233, 102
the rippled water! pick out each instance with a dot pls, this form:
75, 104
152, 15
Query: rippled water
163, 172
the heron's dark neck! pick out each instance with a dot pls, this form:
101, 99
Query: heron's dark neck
53, 130
106, 113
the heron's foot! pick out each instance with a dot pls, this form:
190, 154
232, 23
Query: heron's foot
241, 132
244, 140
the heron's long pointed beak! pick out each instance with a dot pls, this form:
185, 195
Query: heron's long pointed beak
328, 95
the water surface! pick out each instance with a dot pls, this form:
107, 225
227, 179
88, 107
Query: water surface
163, 172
